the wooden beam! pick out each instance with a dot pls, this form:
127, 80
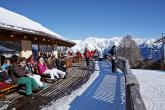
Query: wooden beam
18, 36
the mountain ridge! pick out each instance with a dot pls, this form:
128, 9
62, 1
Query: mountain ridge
147, 46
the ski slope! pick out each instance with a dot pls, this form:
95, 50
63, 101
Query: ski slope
152, 88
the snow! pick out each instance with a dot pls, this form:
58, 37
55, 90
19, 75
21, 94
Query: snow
13, 20
93, 43
152, 88
102, 43
77, 41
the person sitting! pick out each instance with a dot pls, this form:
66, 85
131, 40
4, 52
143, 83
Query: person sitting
5, 68
37, 78
43, 69
6, 65
50, 62
20, 76
60, 64
3, 76
32, 64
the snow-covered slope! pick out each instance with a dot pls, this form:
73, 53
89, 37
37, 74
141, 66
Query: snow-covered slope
95, 43
102, 43
152, 88
12, 20
147, 46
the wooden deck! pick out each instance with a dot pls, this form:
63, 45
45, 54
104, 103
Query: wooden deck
77, 76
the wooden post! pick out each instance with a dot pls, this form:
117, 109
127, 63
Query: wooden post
39, 50
0, 60
47, 50
55, 50
164, 53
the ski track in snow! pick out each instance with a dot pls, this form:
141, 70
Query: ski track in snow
152, 88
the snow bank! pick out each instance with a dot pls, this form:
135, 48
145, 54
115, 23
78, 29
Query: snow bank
64, 103
152, 88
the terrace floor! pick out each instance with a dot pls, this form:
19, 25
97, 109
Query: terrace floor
77, 76
107, 92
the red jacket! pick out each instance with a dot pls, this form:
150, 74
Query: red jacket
93, 53
70, 53
78, 54
87, 52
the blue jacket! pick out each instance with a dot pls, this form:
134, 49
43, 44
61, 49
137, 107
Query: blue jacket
5, 67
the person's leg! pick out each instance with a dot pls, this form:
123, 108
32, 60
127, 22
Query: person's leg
87, 61
115, 69
57, 72
34, 83
65, 70
27, 82
50, 72
60, 72
113, 65
37, 79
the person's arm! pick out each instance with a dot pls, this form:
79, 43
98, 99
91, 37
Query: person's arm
18, 70
4, 68
45, 65
12, 75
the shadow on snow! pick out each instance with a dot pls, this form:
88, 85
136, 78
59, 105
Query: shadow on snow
107, 92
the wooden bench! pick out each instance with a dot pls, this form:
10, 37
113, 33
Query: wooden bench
8, 88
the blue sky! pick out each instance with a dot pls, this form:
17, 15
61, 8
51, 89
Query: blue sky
78, 19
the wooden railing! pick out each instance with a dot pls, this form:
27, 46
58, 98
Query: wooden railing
133, 97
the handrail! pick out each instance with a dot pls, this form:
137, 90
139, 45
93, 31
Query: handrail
133, 97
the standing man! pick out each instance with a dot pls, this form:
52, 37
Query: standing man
114, 56
87, 56
100, 56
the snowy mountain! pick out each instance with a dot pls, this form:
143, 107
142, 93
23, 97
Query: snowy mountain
147, 46
95, 43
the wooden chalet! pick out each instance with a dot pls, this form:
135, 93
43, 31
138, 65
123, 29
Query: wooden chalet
27, 38
17, 28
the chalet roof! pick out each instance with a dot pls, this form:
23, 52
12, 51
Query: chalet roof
13, 21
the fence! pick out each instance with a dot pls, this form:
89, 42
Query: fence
133, 97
